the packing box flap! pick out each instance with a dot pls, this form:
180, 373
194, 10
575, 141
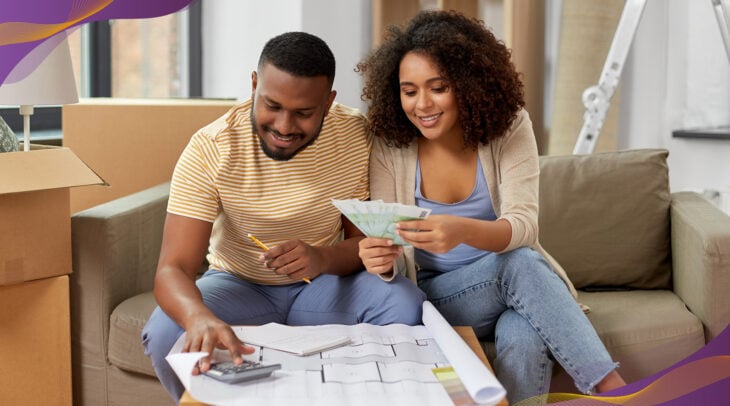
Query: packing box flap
44, 169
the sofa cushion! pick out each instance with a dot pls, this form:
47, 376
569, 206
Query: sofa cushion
657, 332
605, 217
125, 334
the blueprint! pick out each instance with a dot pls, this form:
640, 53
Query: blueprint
391, 364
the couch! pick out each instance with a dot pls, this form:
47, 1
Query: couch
653, 266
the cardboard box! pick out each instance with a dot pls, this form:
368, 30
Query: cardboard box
35, 344
133, 144
35, 241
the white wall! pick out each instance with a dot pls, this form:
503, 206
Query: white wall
234, 32
346, 27
677, 76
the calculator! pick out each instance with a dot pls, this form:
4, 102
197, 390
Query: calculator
229, 372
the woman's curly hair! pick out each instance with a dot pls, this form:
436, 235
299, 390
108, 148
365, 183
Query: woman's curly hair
474, 63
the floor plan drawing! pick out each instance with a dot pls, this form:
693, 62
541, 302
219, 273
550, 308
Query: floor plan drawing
391, 364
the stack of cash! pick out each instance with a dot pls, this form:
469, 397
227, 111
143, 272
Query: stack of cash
377, 219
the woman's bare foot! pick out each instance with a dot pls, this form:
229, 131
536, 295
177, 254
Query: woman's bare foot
612, 381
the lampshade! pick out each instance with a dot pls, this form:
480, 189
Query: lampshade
43, 77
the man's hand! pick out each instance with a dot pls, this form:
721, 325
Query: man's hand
184, 245
378, 254
295, 259
205, 333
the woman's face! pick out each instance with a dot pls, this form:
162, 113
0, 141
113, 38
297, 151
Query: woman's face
427, 99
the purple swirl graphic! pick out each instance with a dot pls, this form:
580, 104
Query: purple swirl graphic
25, 24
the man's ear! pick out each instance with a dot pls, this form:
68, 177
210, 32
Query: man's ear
254, 81
330, 99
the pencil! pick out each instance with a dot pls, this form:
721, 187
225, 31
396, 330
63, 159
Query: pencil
265, 248
259, 243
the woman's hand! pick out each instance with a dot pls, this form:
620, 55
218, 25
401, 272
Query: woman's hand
437, 234
378, 254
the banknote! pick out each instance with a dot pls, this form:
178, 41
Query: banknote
376, 218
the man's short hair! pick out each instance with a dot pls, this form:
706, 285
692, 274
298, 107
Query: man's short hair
300, 54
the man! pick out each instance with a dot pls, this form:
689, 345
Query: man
269, 168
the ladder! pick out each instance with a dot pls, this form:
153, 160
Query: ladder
722, 13
596, 99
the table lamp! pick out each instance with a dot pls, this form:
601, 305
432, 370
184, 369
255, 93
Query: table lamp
43, 77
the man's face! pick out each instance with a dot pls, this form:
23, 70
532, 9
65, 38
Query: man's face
288, 111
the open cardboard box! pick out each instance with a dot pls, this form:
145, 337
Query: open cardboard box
35, 241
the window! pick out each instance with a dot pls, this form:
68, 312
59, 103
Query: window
156, 57
146, 58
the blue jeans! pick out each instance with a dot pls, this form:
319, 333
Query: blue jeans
516, 298
352, 299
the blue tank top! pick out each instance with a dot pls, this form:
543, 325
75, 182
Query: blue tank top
478, 206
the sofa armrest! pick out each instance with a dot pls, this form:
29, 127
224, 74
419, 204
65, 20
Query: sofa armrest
701, 259
115, 248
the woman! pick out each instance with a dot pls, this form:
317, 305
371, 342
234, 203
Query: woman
446, 107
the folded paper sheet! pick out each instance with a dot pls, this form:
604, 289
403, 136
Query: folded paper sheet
293, 339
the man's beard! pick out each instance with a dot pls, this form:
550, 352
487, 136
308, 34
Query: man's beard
275, 154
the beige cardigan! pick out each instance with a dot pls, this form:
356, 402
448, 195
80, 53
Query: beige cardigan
512, 170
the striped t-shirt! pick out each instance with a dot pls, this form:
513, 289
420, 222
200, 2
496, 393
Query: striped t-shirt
224, 177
